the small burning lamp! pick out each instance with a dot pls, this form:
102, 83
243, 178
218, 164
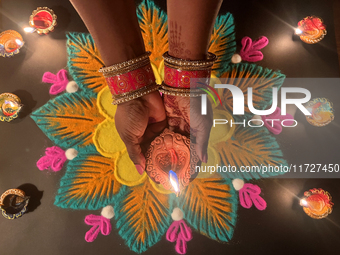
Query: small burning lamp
171, 161
317, 203
10, 43
321, 110
43, 20
10, 106
311, 29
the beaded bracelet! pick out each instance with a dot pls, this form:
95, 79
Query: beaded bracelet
211, 58
125, 64
185, 92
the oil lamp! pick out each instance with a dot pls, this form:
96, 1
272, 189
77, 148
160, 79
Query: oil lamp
311, 29
321, 112
10, 43
43, 20
10, 106
171, 161
13, 203
317, 203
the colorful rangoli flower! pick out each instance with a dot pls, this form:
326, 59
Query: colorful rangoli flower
102, 173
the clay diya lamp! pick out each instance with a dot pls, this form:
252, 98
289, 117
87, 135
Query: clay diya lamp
10, 106
43, 20
321, 112
171, 160
311, 29
13, 203
10, 43
317, 203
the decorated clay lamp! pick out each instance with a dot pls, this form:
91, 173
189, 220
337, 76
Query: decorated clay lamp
13, 203
317, 203
171, 161
43, 20
321, 110
10, 43
311, 29
10, 106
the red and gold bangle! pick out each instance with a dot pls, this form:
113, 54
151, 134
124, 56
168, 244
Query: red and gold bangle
178, 73
181, 78
130, 79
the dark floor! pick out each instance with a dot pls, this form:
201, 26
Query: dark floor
282, 228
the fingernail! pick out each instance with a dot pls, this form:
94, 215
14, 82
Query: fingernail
205, 158
139, 169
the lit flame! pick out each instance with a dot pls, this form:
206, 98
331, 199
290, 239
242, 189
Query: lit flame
303, 202
174, 181
10, 103
298, 31
19, 42
29, 29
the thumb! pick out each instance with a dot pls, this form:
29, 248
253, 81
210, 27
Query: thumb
135, 154
131, 121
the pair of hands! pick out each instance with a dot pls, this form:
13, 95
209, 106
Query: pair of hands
139, 121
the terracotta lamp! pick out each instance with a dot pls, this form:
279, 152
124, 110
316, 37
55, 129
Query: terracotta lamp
311, 29
317, 203
171, 161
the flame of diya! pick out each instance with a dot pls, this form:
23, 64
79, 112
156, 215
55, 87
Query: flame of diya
43, 20
317, 203
171, 152
10, 106
10, 43
312, 29
321, 110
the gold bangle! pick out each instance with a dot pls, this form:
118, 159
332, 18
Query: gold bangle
127, 69
118, 99
211, 58
186, 90
182, 94
180, 91
188, 68
125, 64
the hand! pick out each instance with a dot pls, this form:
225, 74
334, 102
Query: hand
184, 116
138, 122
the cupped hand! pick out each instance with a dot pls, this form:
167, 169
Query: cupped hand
138, 122
184, 116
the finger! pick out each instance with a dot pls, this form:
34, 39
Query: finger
131, 122
202, 139
136, 155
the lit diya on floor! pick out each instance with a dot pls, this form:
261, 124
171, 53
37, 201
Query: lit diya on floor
171, 160
321, 110
10, 106
10, 43
43, 20
311, 29
317, 203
